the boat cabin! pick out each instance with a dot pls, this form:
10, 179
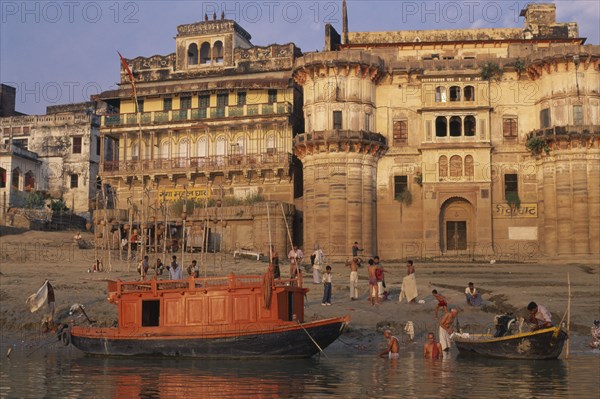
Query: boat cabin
209, 303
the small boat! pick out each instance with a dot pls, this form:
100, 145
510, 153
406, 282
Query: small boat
546, 343
224, 317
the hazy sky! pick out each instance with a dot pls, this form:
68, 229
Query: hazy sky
58, 52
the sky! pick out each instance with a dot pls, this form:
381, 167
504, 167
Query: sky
60, 52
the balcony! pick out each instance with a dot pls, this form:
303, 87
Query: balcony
196, 114
557, 132
204, 165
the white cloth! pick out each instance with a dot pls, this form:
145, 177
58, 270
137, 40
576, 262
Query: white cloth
468, 291
175, 274
354, 285
409, 288
445, 340
37, 300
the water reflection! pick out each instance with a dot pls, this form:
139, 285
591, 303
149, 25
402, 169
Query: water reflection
64, 372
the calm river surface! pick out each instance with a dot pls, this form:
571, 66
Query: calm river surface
57, 372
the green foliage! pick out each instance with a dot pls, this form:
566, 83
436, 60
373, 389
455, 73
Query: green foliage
490, 71
34, 200
536, 145
58, 205
519, 65
513, 200
405, 197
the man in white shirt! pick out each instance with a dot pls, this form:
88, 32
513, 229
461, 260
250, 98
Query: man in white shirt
539, 315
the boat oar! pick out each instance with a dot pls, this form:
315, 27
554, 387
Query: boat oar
311, 338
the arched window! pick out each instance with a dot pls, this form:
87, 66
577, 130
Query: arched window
201, 149
440, 94
455, 166
205, 53
183, 148
218, 51
441, 124
469, 171
454, 93
165, 149
469, 125
135, 151
443, 165
221, 149
469, 93
271, 145
29, 181
455, 126
16, 174
193, 54
241, 145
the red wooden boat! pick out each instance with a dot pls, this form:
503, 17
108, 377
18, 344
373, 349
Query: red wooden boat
228, 317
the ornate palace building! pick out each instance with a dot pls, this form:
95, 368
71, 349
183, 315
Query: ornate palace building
472, 143
215, 123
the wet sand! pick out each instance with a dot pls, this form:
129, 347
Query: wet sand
27, 259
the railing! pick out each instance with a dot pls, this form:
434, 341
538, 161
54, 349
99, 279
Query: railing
208, 164
11, 148
229, 282
337, 135
558, 131
193, 114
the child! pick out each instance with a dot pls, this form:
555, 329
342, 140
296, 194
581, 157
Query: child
327, 287
441, 303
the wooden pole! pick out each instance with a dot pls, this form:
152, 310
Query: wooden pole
183, 217
290, 237
568, 315
95, 222
129, 239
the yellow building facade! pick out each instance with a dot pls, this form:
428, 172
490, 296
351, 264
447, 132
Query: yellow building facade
478, 143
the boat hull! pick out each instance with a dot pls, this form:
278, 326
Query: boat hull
287, 341
541, 344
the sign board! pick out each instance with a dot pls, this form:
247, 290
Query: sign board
524, 211
522, 233
176, 194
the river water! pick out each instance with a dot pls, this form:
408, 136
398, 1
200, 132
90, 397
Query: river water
53, 371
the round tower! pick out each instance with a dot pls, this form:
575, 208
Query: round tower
339, 150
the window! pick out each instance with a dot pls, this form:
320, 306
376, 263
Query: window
98, 142
218, 51
469, 93
545, 118
193, 54
205, 53
440, 94
400, 132
455, 166
76, 145
21, 143
15, 179
469, 126
469, 169
241, 98
74, 181
185, 102
400, 185
577, 115
204, 101
29, 181
443, 166
167, 104
455, 126
509, 128
441, 126
272, 96
222, 100
140, 106
454, 93
511, 184
337, 120
271, 146
201, 147
2, 178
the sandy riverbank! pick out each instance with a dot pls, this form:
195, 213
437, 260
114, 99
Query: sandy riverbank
27, 259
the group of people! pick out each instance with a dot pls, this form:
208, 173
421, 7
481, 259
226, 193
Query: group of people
174, 270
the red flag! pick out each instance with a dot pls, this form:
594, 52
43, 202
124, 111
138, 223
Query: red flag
131, 79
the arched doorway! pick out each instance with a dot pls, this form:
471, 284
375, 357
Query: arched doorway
456, 225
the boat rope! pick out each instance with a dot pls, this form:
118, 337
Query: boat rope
311, 338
